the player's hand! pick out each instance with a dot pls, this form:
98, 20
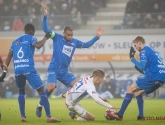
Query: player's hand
114, 107
4, 67
48, 35
132, 52
99, 31
44, 10
138, 69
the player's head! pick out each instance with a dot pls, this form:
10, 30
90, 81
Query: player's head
29, 29
139, 43
98, 76
68, 33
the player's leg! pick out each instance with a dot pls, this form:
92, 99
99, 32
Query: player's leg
68, 79
21, 82
51, 79
128, 97
140, 103
82, 113
36, 83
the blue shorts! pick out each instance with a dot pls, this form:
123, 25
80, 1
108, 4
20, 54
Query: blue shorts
32, 77
61, 74
148, 85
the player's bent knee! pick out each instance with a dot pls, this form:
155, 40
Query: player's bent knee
129, 89
51, 87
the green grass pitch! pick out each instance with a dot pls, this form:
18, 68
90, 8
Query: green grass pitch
11, 116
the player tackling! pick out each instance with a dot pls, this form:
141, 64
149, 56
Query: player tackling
152, 66
82, 88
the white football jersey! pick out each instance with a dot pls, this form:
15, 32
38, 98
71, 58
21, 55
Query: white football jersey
82, 88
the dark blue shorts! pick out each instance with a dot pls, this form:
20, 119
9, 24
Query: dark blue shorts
148, 85
32, 77
61, 74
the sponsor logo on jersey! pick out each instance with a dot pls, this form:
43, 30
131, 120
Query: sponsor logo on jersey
24, 42
67, 50
21, 66
21, 60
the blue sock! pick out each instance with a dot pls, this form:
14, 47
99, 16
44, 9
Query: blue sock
21, 101
47, 93
45, 103
140, 103
126, 101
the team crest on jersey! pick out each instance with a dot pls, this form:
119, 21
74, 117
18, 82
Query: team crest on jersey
17, 43
67, 50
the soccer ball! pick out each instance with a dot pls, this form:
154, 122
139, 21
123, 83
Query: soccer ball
109, 113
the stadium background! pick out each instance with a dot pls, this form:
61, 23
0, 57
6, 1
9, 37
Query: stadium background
122, 21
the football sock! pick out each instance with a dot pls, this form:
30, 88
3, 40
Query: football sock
81, 119
21, 101
45, 103
140, 103
48, 94
126, 101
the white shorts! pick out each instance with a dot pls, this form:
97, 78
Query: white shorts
76, 108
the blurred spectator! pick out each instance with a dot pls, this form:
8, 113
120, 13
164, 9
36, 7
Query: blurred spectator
17, 24
75, 17
14, 11
85, 9
127, 21
160, 23
6, 26
132, 6
11, 87
149, 22
108, 88
138, 21
156, 8
24, 7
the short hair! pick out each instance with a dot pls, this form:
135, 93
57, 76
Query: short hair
98, 73
69, 28
139, 38
29, 27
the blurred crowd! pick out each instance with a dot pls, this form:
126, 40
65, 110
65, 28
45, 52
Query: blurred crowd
15, 14
144, 14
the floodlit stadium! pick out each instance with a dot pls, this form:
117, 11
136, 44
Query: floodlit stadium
122, 21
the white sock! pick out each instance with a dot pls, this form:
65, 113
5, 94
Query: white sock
39, 105
81, 119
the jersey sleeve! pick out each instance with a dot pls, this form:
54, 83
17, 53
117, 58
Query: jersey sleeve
80, 44
92, 92
34, 39
46, 28
143, 56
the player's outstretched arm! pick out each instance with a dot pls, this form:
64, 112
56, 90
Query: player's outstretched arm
9, 57
44, 21
40, 43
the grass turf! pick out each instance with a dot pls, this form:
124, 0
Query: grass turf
11, 116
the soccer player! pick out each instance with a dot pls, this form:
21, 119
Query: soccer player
82, 88
3, 65
63, 50
22, 52
152, 66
